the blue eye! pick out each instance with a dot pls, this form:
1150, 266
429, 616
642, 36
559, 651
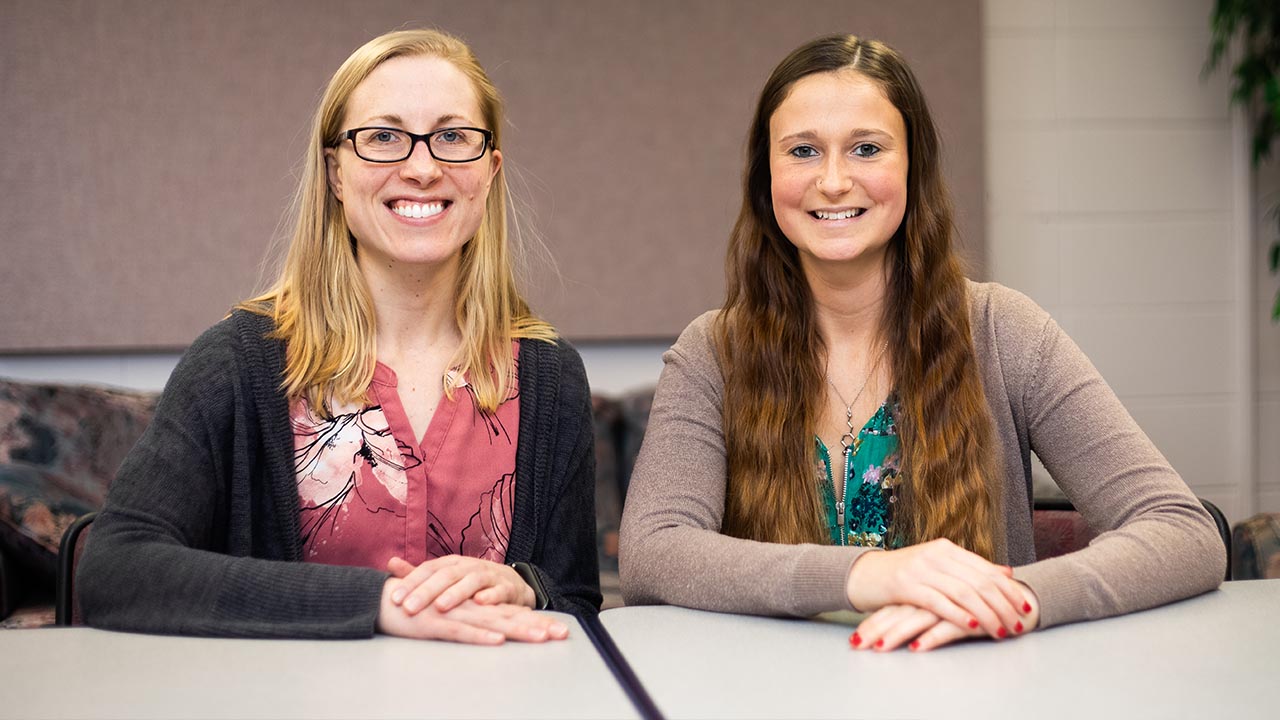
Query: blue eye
804, 152
866, 150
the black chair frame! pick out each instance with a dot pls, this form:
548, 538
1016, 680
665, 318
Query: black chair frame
63, 603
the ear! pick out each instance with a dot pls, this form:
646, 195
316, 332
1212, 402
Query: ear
496, 164
332, 172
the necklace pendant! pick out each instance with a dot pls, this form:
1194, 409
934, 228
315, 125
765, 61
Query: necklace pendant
846, 441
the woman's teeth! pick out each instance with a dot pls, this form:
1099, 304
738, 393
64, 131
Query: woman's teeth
842, 215
417, 210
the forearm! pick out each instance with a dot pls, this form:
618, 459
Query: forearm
132, 578
691, 567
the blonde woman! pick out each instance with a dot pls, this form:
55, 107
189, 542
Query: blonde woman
386, 440
853, 429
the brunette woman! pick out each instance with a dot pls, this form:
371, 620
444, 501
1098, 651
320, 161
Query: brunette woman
853, 428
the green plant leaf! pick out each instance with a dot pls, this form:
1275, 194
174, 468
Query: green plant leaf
1275, 257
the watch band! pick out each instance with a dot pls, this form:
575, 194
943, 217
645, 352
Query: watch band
530, 577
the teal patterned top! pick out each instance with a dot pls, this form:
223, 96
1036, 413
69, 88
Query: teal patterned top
864, 514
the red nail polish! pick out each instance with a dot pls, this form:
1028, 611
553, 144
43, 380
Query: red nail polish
1026, 606
1002, 633
915, 645
879, 644
1018, 628
855, 639
973, 624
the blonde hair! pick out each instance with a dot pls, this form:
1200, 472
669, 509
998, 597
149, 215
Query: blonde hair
320, 303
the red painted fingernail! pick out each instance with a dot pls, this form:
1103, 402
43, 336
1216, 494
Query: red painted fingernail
855, 639
879, 644
915, 645
1002, 633
1018, 627
972, 623
1026, 607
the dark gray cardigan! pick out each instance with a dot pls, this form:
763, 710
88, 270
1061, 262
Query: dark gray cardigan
200, 532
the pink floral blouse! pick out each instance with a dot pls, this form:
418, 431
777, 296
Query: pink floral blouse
368, 490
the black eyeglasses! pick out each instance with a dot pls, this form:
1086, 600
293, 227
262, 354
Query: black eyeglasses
388, 145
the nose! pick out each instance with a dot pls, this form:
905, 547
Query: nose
836, 177
420, 166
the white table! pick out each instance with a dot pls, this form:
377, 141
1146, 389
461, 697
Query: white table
87, 673
1213, 656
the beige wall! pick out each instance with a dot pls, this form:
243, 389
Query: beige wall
150, 145
1118, 200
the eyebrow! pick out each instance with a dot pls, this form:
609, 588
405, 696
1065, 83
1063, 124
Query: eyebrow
399, 121
857, 134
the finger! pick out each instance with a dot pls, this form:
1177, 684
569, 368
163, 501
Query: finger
463, 589
933, 600
1001, 576
990, 595
414, 579
399, 567
870, 632
501, 593
430, 588
462, 632
943, 633
960, 592
890, 627
906, 627
514, 622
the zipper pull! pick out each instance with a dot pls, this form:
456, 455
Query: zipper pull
840, 519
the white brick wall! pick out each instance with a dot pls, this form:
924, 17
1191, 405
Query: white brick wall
1268, 341
1114, 174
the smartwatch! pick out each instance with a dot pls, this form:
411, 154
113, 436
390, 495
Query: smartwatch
530, 577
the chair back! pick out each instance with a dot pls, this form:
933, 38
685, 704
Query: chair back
1059, 528
1255, 545
74, 540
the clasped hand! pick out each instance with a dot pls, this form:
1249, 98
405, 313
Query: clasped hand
935, 593
463, 599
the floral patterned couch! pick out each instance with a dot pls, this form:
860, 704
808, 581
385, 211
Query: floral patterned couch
60, 445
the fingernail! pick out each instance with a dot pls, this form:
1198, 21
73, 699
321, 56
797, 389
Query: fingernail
915, 645
973, 624
1026, 607
412, 604
1018, 627
495, 637
538, 634
397, 596
855, 639
879, 644
559, 629
1002, 633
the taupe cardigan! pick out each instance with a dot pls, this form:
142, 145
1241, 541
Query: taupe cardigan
1158, 543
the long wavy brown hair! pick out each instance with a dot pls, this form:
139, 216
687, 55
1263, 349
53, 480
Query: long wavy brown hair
772, 355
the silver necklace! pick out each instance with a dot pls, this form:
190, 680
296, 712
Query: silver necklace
846, 440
